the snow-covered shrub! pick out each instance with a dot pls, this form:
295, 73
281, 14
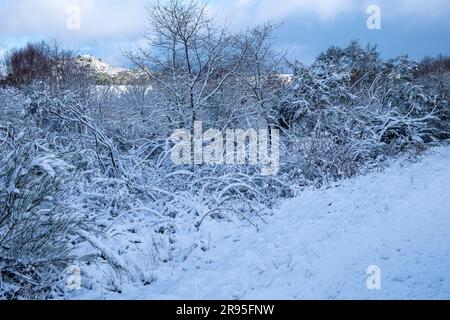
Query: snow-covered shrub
68, 119
360, 63
34, 226
429, 65
351, 107
439, 85
314, 91
406, 113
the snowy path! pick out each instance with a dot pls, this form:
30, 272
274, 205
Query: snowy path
319, 246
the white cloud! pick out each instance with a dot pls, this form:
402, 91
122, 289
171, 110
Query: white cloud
258, 11
427, 9
118, 18
106, 25
99, 18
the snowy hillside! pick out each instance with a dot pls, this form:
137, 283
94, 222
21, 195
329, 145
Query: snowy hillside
106, 73
319, 245
99, 65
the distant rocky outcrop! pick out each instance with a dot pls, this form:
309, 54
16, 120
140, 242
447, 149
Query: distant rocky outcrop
107, 74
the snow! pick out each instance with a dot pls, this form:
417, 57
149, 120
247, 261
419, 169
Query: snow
113, 258
99, 66
49, 164
320, 244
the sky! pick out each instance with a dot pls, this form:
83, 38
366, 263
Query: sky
106, 28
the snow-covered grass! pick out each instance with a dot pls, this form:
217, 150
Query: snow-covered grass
320, 244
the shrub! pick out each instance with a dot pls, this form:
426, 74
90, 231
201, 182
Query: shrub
34, 226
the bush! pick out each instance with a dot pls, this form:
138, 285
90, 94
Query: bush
34, 226
431, 65
350, 107
48, 63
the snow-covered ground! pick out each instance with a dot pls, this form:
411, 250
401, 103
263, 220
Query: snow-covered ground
320, 245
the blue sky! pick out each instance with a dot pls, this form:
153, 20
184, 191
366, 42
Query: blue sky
414, 27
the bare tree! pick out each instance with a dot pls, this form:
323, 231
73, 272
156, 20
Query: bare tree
47, 62
260, 70
188, 58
